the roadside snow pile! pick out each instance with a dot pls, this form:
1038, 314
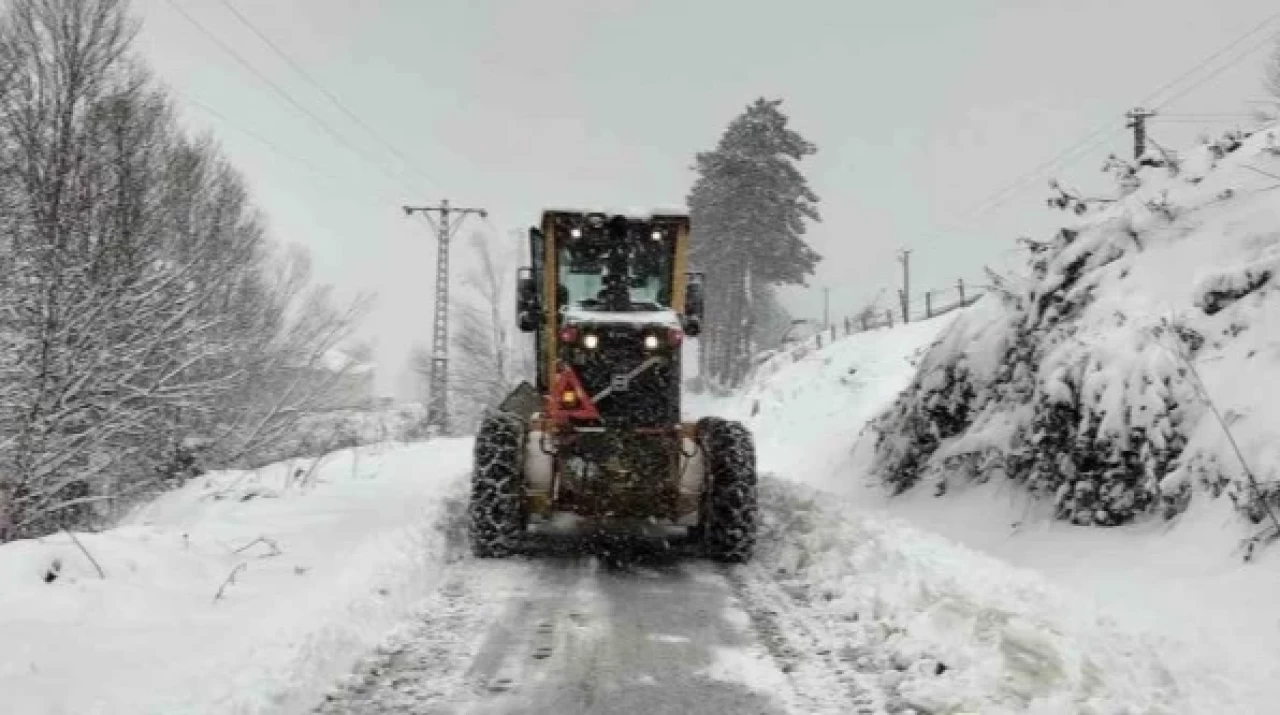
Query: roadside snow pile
942, 629
243, 592
1090, 380
805, 414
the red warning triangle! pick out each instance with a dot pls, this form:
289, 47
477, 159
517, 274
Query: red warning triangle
582, 408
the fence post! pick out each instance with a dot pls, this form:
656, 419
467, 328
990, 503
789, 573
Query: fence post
960, 287
928, 304
906, 306
847, 327
889, 314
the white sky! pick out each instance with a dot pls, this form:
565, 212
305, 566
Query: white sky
920, 111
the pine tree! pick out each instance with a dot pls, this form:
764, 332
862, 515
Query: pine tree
748, 206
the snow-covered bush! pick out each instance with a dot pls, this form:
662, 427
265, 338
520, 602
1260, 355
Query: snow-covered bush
1079, 380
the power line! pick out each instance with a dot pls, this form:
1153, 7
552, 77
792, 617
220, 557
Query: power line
280, 92
272, 146
1201, 120
1204, 115
330, 96
1248, 51
1206, 61
1071, 154
1008, 191
269, 145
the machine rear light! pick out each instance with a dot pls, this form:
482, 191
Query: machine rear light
568, 334
569, 398
675, 336
591, 341
651, 342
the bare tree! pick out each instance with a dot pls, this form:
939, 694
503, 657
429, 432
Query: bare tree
141, 306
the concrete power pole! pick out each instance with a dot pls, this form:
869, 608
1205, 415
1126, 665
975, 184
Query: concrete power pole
442, 219
1138, 123
905, 257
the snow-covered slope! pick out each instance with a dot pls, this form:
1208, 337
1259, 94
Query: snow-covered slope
1093, 380
1183, 583
312, 568
1075, 606
804, 407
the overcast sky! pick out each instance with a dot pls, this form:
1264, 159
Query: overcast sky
920, 111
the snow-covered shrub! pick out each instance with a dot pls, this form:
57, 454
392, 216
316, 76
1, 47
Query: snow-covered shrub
1125, 174
1079, 380
1218, 289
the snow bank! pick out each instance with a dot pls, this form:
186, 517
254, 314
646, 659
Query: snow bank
805, 412
944, 629
315, 561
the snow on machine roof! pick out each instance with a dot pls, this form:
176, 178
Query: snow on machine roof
664, 317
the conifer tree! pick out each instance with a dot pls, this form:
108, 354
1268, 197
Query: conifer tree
749, 205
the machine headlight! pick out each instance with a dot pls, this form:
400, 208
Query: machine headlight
591, 341
651, 342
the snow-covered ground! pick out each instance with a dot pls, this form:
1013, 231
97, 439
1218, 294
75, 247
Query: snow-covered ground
1181, 588
325, 562
803, 413
856, 602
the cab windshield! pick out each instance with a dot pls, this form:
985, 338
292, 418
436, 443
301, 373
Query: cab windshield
617, 279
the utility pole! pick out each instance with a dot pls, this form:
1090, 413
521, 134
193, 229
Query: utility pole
905, 257
446, 220
826, 308
1138, 123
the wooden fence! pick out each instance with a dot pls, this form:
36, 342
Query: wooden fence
928, 305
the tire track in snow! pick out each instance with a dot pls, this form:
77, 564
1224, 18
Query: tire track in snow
572, 634
423, 666
654, 632
827, 674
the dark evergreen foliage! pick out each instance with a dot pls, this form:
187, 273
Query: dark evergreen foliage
749, 207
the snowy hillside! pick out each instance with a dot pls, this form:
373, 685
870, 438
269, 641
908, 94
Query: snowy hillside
1183, 583
1093, 380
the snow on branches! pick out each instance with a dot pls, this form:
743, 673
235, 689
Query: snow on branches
1082, 385
147, 328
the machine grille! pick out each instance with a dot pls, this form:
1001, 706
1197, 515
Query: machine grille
650, 398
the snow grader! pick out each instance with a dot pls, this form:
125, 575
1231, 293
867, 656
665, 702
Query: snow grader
598, 436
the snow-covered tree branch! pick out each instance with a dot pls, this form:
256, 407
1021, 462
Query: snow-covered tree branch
142, 309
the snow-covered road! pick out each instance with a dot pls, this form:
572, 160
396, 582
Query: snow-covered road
618, 627
836, 615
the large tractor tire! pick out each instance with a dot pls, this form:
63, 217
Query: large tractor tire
497, 486
729, 509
